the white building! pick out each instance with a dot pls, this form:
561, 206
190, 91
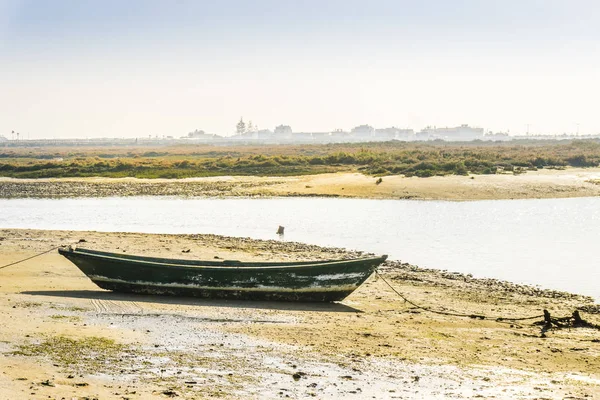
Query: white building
199, 136
463, 133
394, 133
283, 132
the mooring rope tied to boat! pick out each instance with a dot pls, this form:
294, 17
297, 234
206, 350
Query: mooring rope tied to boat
29, 258
37, 255
453, 314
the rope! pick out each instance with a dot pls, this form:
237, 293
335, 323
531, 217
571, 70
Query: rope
29, 258
452, 314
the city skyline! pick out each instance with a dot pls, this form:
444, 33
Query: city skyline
251, 126
139, 68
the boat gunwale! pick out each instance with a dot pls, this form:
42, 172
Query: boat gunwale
206, 263
148, 263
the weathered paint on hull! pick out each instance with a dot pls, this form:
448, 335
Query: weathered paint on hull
313, 296
320, 281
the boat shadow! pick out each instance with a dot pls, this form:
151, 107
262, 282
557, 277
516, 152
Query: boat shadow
193, 301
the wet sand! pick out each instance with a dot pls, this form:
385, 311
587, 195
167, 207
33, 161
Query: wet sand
544, 183
62, 337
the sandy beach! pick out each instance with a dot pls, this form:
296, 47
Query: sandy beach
543, 183
62, 337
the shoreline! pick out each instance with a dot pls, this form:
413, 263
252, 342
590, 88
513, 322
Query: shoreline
275, 250
250, 249
372, 341
541, 184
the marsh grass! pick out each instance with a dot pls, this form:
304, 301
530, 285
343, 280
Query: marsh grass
377, 159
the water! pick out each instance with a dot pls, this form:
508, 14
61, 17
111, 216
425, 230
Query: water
545, 242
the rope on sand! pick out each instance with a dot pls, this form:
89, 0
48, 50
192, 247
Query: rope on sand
548, 322
37, 255
453, 314
29, 258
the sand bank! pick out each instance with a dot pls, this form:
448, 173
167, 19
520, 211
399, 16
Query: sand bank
64, 337
544, 183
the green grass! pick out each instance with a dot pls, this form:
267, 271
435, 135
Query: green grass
87, 354
377, 159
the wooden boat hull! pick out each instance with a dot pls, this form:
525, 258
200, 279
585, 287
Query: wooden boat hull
319, 281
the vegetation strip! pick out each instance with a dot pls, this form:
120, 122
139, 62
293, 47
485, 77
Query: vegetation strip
389, 158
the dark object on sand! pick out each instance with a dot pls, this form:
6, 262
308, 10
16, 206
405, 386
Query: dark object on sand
323, 280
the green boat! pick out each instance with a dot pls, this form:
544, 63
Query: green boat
326, 281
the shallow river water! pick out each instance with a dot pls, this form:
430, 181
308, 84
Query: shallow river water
552, 243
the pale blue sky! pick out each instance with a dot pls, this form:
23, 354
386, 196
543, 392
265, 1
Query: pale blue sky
75, 68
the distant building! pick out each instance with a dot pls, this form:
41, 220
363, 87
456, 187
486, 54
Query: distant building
497, 137
394, 133
283, 132
263, 134
427, 133
463, 133
302, 137
386, 133
3, 139
405, 135
363, 131
339, 136
198, 135
321, 137
283, 129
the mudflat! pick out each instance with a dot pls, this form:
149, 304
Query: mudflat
543, 183
62, 337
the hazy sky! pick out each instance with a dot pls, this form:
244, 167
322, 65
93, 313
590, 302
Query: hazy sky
77, 68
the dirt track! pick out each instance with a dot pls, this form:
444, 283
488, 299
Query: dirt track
64, 337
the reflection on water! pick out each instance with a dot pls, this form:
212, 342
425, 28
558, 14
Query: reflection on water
545, 242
